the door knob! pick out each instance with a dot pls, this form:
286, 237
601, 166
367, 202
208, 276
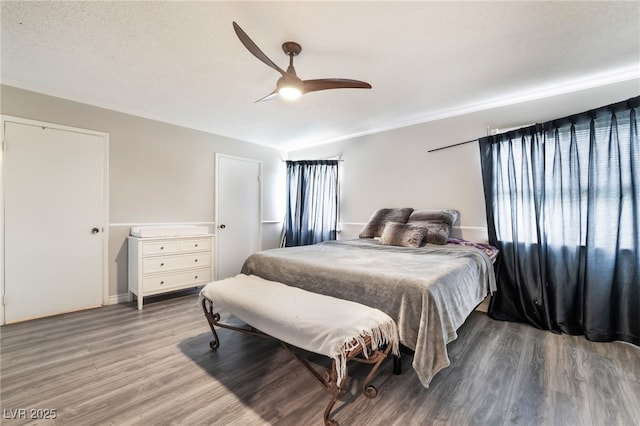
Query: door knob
94, 230
223, 226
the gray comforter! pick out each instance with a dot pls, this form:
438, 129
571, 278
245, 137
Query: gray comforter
428, 291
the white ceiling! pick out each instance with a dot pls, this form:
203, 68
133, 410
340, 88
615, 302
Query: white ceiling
181, 62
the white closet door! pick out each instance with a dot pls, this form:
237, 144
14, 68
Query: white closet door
53, 222
238, 212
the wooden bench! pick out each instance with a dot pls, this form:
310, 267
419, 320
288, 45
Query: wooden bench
336, 328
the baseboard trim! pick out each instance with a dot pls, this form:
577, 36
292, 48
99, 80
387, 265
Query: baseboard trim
118, 298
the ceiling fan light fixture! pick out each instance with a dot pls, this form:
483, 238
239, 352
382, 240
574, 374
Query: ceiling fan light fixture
290, 93
289, 86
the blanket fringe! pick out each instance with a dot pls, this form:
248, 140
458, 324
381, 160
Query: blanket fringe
384, 334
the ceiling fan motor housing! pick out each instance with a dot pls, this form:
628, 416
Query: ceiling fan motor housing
291, 48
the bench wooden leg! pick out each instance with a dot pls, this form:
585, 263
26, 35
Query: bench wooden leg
212, 319
376, 359
332, 385
329, 382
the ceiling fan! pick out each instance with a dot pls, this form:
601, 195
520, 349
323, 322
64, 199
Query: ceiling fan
290, 86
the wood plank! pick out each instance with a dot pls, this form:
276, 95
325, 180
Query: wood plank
118, 366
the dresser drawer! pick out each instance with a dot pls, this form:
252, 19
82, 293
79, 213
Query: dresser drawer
195, 244
165, 264
160, 247
176, 279
170, 263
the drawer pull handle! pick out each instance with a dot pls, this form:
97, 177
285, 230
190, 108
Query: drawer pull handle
196, 277
162, 248
162, 264
161, 282
196, 245
196, 260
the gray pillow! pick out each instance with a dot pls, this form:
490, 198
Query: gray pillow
448, 216
437, 233
437, 222
376, 223
402, 235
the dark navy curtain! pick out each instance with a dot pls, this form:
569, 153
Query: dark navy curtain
312, 202
563, 207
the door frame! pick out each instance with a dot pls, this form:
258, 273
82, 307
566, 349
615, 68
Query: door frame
105, 214
218, 157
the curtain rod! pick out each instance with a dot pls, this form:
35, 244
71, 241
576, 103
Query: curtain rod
335, 157
451, 146
322, 159
489, 133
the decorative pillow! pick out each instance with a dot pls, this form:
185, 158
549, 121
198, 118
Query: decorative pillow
448, 216
437, 222
437, 233
376, 223
402, 235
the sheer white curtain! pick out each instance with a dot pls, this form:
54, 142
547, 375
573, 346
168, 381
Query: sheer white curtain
312, 202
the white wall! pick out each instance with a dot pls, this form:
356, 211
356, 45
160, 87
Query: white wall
394, 169
161, 173
158, 173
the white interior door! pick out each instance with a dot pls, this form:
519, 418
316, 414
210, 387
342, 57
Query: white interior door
54, 220
238, 212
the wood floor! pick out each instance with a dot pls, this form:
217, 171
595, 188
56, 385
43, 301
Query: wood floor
118, 366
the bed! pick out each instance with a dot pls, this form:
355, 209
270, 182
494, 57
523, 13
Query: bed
429, 289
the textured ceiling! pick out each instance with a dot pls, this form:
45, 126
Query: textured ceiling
181, 62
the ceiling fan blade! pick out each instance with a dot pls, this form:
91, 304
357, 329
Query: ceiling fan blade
333, 83
254, 49
268, 97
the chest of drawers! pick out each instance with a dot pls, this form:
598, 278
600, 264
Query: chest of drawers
160, 265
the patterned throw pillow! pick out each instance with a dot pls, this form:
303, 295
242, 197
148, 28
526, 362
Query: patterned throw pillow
402, 235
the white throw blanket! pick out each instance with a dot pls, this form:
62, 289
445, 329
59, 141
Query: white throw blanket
314, 322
